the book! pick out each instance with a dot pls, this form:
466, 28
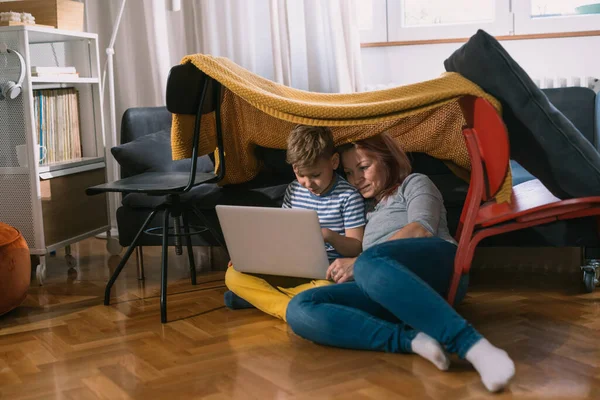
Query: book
52, 70
55, 76
57, 123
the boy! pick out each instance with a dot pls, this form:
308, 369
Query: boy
339, 206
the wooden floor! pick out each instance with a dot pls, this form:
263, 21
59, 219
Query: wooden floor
64, 343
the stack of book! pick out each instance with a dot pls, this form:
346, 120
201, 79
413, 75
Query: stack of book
57, 123
54, 72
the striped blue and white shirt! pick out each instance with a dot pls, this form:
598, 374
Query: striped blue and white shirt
340, 208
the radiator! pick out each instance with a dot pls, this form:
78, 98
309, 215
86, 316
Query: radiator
561, 81
542, 83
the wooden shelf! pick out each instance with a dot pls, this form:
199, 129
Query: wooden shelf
37, 79
79, 162
68, 213
41, 34
15, 23
49, 200
59, 168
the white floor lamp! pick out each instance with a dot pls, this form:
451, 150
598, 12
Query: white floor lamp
111, 164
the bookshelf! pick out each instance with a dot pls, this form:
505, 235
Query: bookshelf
66, 81
46, 200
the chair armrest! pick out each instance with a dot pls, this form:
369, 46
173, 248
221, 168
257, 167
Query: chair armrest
579, 105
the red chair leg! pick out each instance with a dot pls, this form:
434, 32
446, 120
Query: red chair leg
458, 267
462, 265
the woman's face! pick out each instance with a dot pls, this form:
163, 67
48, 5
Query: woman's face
364, 172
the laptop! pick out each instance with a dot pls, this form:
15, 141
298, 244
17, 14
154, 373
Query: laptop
274, 241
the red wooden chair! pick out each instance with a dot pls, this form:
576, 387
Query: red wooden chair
531, 203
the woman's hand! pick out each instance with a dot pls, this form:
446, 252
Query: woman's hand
341, 270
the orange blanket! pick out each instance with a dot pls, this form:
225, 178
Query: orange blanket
423, 117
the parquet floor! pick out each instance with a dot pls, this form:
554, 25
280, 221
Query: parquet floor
63, 343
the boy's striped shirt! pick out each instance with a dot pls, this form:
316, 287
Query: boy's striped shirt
341, 208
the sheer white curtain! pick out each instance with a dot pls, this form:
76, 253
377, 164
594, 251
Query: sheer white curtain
307, 44
142, 55
316, 45
141, 64
238, 30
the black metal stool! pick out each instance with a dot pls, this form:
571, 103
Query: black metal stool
174, 184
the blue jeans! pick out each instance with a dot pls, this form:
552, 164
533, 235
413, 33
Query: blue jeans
398, 291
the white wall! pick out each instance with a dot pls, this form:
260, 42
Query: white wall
541, 58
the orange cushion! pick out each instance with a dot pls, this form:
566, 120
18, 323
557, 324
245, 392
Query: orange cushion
15, 268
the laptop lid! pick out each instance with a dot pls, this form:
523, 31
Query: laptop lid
274, 241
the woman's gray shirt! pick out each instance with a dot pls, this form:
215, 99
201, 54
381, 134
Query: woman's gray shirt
416, 200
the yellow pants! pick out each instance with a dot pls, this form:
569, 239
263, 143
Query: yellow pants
269, 293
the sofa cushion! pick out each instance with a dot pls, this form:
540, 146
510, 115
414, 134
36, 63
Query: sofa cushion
519, 174
578, 104
208, 195
425, 164
276, 167
140, 121
204, 164
152, 153
542, 139
147, 153
274, 164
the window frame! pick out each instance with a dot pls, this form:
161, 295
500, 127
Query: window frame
398, 33
525, 25
514, 22
379, 30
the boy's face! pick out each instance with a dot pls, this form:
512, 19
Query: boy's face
318, 178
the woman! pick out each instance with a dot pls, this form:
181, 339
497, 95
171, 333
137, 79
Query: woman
391, 297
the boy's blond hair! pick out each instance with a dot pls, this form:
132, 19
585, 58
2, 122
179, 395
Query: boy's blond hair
307, 144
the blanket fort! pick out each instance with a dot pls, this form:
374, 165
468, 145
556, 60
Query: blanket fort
424, 117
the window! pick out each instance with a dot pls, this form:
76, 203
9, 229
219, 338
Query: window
559, 8
551, 16
440, 12
436, 19
413, 20
372, 20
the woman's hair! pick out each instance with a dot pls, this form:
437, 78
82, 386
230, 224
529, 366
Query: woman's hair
389, 154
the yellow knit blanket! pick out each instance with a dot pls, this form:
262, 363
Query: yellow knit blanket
423, 117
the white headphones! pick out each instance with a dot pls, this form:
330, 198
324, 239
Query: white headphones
10, 89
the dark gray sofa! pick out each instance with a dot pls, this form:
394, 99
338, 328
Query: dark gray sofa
580, 105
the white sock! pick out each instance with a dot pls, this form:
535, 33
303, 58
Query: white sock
493, 364
429, 348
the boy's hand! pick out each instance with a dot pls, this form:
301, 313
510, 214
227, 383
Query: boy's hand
326, 234
348, 245
341, 270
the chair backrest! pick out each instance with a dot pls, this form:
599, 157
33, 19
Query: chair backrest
191, 91
184, 85
492, 142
